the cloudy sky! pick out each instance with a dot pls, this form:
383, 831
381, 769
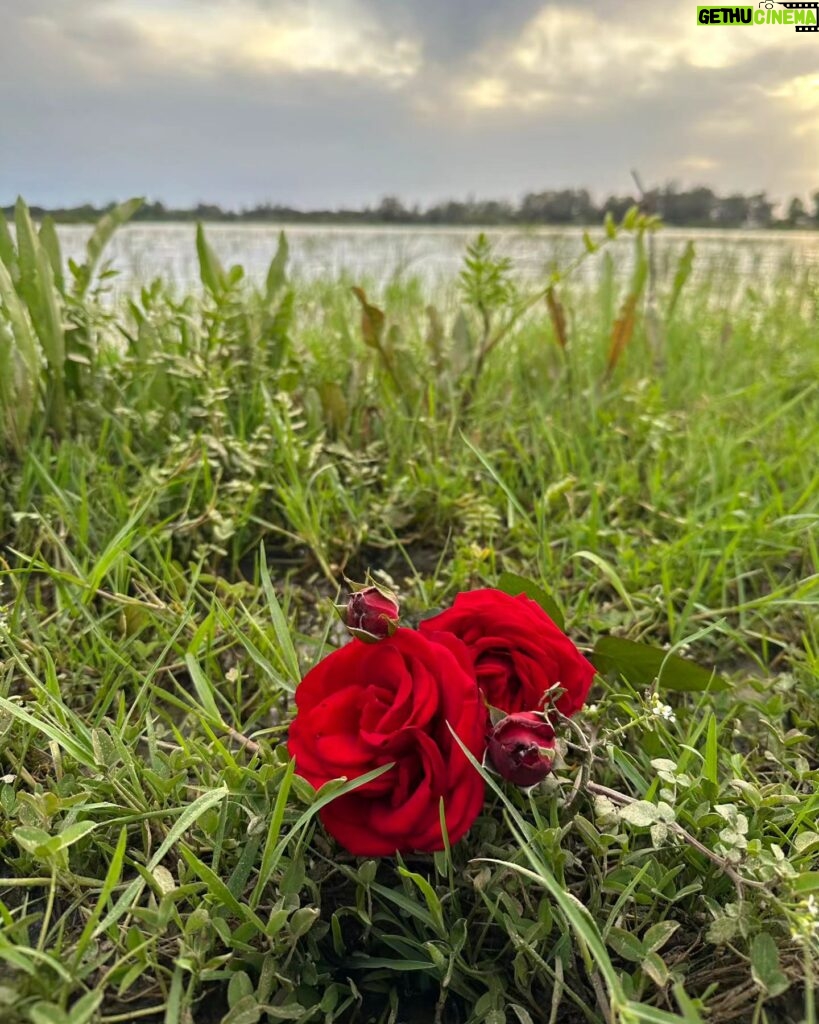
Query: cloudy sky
329, 102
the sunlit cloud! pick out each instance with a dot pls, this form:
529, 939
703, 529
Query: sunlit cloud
564, 54
201, 38
322, 101
307, 38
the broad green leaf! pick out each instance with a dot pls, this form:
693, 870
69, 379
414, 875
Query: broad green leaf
511, 583
8, 253
48, 1013
806, 882
51, 243
17, 316
50, 326
642, 664
26, 256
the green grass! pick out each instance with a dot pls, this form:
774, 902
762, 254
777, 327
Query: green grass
159, 860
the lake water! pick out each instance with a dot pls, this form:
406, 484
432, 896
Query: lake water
141, 252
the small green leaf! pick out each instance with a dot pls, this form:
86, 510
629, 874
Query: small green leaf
32, 840
245, 1011
641, 813
765, 967
659, 934
654, 966
48, 1013
626, 945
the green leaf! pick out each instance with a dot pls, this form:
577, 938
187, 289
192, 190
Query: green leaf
287, 650
26, 255
101, 236
655, 967
191, 814
8, 254
211, 271
112, 877
48, 1013
73, 834
430, 896
86, 1006
511, 583
32, 840
682, 274
710, 765
641, 665
220, 893
765, 967
659, 934
807, 882
16, 314
51, 244
276, 274
204, 688
244, 1011
626, 945
641, 813
372, 321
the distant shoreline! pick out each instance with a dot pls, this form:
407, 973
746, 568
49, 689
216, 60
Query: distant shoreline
697, 208
38, 216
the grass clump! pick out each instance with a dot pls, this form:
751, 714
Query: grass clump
182, 492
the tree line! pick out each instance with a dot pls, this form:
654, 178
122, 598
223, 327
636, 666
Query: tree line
699, 207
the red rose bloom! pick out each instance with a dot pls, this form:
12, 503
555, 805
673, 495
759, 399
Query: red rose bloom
366, 705
522, 748
371, 611
519, 651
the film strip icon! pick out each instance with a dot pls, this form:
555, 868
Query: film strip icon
798, 5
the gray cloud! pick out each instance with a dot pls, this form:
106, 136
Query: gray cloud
93, 110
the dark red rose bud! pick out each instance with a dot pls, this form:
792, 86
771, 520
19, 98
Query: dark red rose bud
371, 614
521, 748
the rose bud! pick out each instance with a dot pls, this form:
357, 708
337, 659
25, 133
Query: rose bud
521, 748
371, 613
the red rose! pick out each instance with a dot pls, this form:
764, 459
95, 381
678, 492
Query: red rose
366, 705
521, 748
519, 652
371, 614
